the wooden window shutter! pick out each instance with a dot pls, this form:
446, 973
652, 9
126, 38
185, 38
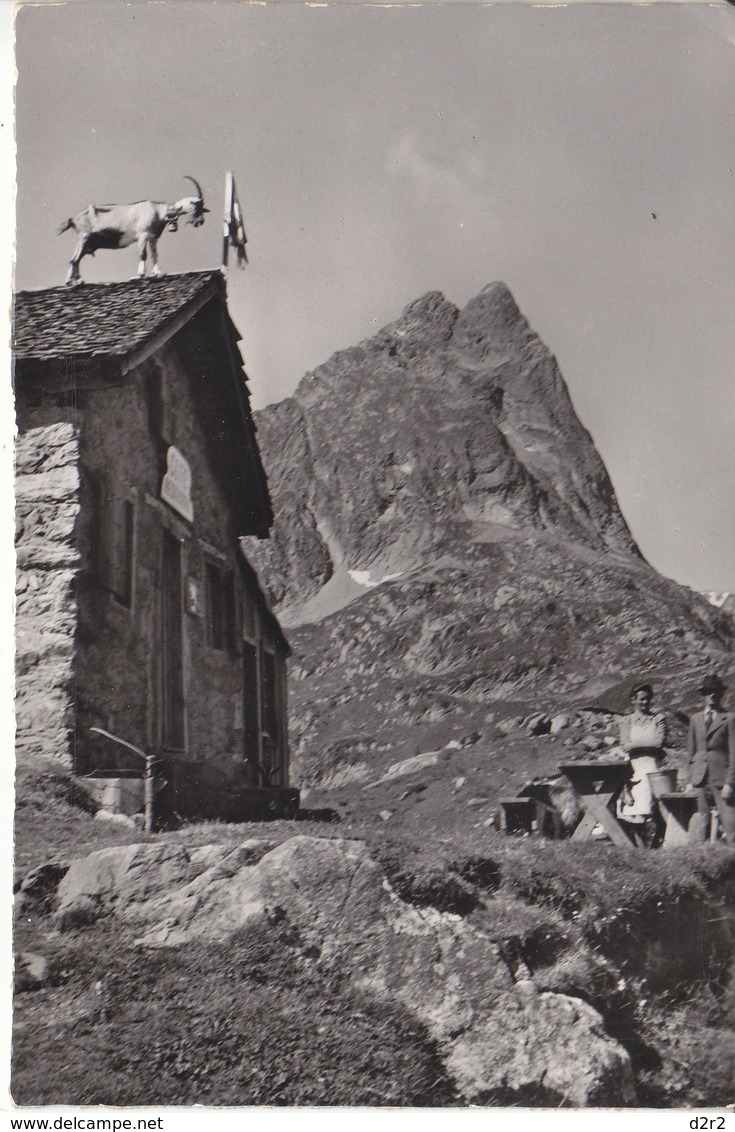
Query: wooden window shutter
115, 547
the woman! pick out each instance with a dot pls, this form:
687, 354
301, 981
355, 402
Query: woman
642, 737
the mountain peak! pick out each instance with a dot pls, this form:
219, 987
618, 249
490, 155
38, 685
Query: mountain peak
447, 540
445, 425
496, 299
430, 319
491, 325
491, 312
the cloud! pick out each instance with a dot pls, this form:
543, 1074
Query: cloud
458, 180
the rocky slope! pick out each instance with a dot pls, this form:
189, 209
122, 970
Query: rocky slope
723, 601
448, 546
268, 967
341, 909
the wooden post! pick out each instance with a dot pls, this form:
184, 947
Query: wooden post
227, 221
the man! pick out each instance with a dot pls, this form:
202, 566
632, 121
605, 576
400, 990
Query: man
711, 747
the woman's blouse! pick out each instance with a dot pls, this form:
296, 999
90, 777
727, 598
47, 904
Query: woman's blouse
642, 732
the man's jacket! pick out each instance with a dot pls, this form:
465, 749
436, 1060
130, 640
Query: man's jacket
712, 749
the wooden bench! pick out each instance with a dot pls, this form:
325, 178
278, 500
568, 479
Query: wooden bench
677, 809
548, 820
531, 812
517, 815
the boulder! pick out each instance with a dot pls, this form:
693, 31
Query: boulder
33, 971
43, 879
542, 1049
593, 743
538, 724
505, 726
500, 1040
123, 820
409, 766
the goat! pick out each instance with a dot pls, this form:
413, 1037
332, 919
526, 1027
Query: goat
119, 225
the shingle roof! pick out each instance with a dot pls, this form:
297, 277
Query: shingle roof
104, 319
60, 332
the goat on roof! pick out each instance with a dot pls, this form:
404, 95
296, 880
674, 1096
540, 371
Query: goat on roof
119, 225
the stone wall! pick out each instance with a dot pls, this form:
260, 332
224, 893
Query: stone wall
120, 661
47, 506
126, 603
125, 429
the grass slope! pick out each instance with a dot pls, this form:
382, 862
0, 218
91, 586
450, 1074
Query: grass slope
646, 938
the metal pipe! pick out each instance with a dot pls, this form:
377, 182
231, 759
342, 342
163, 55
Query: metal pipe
149, 779
149, 793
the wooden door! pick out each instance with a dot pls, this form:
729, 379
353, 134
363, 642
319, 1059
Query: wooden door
251, 721
172, 662
269, 720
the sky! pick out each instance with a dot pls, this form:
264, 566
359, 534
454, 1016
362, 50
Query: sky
583, 155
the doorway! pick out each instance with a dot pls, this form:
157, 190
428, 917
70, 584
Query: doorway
172, 664
251, 721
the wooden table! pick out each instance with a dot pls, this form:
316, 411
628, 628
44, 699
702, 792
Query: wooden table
677, 809
596, 786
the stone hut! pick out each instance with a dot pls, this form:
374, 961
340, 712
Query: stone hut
137, 474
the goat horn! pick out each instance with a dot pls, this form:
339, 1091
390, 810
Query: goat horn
196, 185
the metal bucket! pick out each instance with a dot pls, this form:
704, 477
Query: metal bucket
662, 782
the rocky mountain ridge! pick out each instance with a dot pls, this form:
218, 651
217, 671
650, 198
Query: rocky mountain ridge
448, 545
445, 420
722, 600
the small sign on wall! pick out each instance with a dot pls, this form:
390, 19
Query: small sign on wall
176, 484
193, 598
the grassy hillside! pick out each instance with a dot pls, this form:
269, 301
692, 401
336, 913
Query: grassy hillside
646, 938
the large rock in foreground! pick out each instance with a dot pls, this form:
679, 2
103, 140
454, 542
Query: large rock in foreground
502, 1041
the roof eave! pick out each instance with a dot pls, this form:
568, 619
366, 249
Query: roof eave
140, 353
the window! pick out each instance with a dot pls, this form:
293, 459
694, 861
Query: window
123, 581
269, 766
249, 616
159, 412
113, 541
159, 408
220, 618
69, 398
270, 712
251, 715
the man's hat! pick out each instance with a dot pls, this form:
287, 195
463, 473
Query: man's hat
712, 684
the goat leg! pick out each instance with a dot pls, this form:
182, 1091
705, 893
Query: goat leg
153, 245
143, 253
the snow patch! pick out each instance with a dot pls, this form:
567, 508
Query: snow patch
362, 577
